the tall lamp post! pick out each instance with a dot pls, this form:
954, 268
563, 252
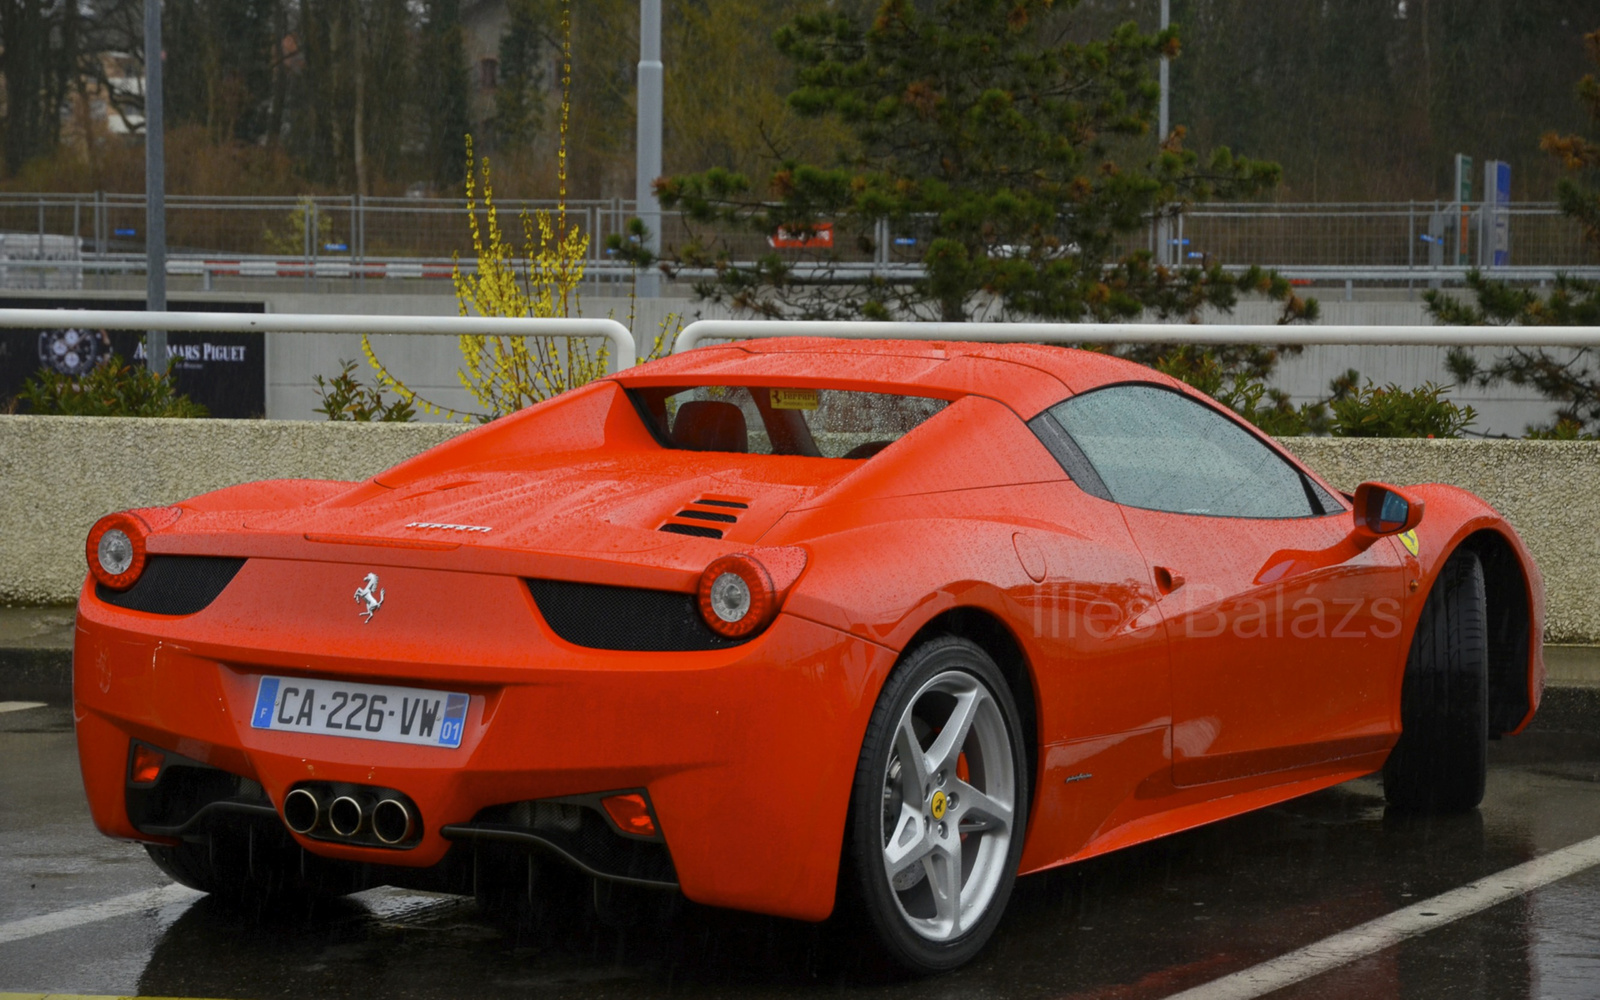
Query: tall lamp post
1163, 228
155, 188
648, 164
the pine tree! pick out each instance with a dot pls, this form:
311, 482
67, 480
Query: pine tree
1022, 165
1571, 379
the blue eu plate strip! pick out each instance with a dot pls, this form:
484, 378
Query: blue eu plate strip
455, 717
266, 700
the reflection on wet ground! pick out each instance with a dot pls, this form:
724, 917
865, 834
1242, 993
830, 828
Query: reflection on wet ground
1144, 922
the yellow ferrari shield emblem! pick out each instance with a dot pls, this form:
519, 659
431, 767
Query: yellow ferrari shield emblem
1409, 540
938, 805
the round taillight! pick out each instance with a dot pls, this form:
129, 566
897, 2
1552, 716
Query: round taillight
737, 597
115, 550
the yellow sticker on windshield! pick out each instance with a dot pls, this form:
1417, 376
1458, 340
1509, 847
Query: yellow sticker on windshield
794, 399
1409, 540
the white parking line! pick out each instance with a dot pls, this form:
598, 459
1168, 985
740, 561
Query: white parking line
1385, 932
77, 916
17, 706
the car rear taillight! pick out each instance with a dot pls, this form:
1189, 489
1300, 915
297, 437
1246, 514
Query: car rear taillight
116, 550
116, 544
739, 594
736, 596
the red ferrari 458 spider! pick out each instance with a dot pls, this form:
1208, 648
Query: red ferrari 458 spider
790, 621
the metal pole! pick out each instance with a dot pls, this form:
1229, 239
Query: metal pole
1166, 22
1163, 239
648, 167
155, 188
1411, 234
358, 237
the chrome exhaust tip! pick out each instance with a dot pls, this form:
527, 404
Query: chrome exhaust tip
346, 817
392, 822
302, 813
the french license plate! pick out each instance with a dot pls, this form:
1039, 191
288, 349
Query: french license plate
365, 711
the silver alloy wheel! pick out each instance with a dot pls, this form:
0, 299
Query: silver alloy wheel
946, 839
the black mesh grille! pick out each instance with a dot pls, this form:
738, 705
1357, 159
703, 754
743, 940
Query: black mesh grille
625, 618
174, 585
723, 503
699, 531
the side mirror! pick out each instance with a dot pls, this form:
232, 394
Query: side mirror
1382, 509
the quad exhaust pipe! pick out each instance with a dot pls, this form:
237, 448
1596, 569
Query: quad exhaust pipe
391, 822
346, 817
302, 811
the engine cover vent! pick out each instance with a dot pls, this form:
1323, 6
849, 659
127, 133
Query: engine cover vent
697, 517
697, 530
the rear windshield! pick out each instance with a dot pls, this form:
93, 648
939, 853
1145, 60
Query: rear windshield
821, 423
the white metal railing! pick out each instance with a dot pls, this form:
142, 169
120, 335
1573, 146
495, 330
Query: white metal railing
624, 352
1145, 333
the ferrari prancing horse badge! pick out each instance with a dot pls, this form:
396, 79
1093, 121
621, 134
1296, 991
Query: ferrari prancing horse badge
370, 597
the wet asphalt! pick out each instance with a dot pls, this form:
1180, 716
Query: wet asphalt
1145, 922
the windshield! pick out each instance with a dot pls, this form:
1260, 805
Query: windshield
821, 423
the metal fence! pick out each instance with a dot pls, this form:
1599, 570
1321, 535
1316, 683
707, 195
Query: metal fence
408, 237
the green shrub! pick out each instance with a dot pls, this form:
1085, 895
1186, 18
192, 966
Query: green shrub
111, 389
1390, 411
1564, 429
344, 397
1350, 410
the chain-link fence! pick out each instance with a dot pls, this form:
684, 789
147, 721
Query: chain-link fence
1388, 235
349, 235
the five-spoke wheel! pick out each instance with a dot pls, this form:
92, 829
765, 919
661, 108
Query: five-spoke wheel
939, 805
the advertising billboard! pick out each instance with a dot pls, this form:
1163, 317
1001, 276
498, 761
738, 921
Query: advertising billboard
224, 372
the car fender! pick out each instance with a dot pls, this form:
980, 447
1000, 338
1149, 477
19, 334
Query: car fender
1455, 517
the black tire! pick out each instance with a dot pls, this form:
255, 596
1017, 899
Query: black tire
1440, 763
247, 865
866, 879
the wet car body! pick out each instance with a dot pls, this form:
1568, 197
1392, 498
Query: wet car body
1169, 668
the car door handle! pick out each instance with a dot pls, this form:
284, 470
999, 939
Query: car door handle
1167, 581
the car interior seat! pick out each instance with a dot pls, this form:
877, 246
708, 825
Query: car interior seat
710, 425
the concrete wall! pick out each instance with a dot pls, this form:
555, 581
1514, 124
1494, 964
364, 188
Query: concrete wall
1548, 490
59, 474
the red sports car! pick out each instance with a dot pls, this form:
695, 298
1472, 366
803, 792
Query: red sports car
787, 621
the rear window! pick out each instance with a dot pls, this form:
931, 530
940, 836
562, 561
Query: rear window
760, 420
